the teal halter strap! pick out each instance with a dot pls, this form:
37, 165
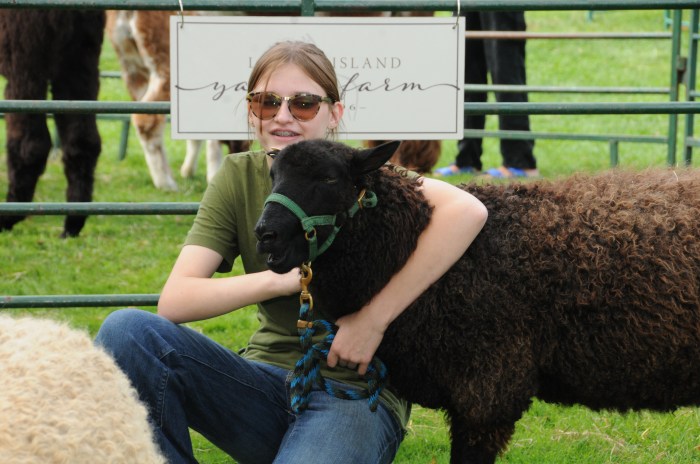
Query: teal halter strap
367, 199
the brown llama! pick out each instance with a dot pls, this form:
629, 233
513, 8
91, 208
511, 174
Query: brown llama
141, 40
57, 49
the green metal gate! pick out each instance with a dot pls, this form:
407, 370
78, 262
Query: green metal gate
672, 108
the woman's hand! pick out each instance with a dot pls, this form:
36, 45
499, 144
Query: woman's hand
289, 283
356, 341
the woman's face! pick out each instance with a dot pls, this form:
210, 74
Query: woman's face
282, 130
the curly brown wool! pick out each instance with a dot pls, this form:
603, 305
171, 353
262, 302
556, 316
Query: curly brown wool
584, 290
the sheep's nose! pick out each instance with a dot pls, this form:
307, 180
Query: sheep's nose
265, 236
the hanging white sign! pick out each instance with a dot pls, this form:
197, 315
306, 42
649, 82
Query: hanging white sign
400, 78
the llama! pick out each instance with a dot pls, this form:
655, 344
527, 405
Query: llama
141, 40
60, 49
584, 290
62, 400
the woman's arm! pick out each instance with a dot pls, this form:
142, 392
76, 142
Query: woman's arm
457, 219
191, 294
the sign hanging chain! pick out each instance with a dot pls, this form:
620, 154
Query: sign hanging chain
459, 11
182, 14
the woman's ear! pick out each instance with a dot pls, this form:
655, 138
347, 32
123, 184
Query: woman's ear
336, 115
251, 123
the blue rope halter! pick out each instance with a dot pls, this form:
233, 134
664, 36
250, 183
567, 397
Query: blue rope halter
307, 371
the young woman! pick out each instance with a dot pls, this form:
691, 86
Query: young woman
240, 402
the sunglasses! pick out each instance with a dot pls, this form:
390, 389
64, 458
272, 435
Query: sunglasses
303, 107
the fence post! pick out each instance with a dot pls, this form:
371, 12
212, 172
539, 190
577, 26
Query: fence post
614, 153
675, 64
308, 7
690, 91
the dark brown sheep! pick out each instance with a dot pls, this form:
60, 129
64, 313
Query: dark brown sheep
59, 49
585, 290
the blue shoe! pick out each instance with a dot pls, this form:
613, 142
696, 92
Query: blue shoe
453, 170
510, 173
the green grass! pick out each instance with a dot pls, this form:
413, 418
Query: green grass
134, 254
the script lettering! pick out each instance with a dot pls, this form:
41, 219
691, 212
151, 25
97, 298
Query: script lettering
218, 88
353, 84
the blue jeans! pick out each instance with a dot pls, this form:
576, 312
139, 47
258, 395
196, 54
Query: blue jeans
241, 406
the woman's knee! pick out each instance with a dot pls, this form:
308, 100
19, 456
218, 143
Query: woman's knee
121, 326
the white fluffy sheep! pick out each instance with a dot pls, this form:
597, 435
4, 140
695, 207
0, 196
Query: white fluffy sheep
62, 400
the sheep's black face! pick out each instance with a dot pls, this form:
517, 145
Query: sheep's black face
320, 177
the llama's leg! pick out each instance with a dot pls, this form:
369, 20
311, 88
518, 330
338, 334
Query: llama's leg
145, 69
189, 166
28, 138
150, 129
28, 147
81, 145
77, 78
214, 157
153, 41
134, 71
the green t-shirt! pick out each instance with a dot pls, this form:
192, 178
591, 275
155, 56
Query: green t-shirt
225, 221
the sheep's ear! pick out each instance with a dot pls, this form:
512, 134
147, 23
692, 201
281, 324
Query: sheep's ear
371, 159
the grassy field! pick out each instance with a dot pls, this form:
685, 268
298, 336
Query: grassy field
134, 254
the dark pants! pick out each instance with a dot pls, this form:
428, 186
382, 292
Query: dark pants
505, 61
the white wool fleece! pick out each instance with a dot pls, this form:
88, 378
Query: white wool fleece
63, 400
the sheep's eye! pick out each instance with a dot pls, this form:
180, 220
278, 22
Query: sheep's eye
330, 180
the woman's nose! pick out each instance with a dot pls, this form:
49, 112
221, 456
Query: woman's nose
283, 115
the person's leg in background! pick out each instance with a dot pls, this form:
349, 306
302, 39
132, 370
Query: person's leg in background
506, 63
468, 158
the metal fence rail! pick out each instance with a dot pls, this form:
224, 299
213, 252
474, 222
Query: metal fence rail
354, 5
79, 301
308, 8
98, 208
92, 208
74, 106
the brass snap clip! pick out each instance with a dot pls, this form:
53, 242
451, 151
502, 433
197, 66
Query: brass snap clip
306, 275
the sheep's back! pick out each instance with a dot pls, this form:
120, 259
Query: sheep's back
604, 272
591, 274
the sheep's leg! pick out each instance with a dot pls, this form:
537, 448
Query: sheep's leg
491, 396
481, 445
